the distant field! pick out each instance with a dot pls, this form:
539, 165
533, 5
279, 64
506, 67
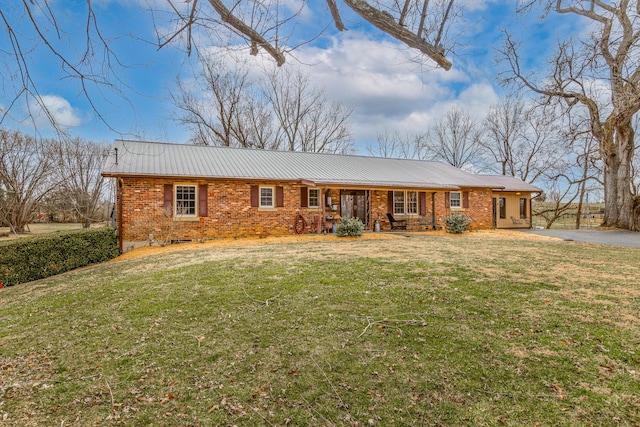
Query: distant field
41, 228
568, 218
569, 221
432, 329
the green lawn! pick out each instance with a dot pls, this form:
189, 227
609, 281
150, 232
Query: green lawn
425, 330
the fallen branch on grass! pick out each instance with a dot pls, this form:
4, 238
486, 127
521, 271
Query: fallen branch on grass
265, 302
342, 404
385, 322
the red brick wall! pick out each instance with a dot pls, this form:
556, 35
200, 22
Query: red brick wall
230, 213
479, 210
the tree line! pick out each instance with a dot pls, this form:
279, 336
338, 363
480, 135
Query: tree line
41, 177
229, 104
524, 140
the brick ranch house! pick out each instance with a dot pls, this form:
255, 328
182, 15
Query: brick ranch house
194, 192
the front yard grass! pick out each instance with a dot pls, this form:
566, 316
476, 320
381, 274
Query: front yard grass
425, 330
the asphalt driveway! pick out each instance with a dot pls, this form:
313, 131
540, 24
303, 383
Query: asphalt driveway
605, 237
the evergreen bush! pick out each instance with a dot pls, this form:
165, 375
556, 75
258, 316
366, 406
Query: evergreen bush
33, 258
350, 227
457, 224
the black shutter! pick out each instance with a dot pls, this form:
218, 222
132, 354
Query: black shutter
423, 203
202, 200
304, 199
390, 202
168, 199
279, 197
255, 200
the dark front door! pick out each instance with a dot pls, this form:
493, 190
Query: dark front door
353, 204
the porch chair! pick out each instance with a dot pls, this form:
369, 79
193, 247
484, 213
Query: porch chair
523, 222
397, 224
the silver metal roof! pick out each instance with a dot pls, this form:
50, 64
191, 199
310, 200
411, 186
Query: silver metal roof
509, 183
138, 158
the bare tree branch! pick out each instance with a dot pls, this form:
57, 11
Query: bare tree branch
386, 23
335, 14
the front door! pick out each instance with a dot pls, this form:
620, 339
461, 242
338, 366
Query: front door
353, 204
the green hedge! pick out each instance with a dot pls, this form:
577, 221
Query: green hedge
33, 258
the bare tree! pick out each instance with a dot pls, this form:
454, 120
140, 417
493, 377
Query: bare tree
308, 122
283, 111
525, 142
559, 198
213, 106
609, 55
455, 139
78, 168
635, 163
587, 161
25, 177
34, 29
397, 145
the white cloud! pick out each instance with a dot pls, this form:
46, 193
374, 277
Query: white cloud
474, 5
386, 87
58, 109
389, 91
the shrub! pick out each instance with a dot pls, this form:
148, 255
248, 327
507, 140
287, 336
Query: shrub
33, 258
350, 227
158, 228
457, 224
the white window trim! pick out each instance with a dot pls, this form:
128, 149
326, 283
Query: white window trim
459, 193
405, 208
309, 205
175, 200
273, 197
406, 203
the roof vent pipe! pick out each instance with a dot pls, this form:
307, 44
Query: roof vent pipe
116, 150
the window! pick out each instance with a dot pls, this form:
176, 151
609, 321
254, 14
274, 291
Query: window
523, 208
503, 208
398, 202
455, 199
405, 202
314, 197
186, 200
412, 202
266, 197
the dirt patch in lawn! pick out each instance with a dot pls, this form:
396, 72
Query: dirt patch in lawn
305, 238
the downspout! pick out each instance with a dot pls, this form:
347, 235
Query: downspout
324, 205
119, 226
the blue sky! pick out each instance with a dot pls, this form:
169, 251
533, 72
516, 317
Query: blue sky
360, 67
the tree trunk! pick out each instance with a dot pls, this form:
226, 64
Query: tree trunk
617, 154
581, 192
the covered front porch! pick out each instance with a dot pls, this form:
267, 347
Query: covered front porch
418, 208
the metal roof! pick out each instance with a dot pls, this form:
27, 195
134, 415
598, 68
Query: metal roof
509, 184
140, 158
